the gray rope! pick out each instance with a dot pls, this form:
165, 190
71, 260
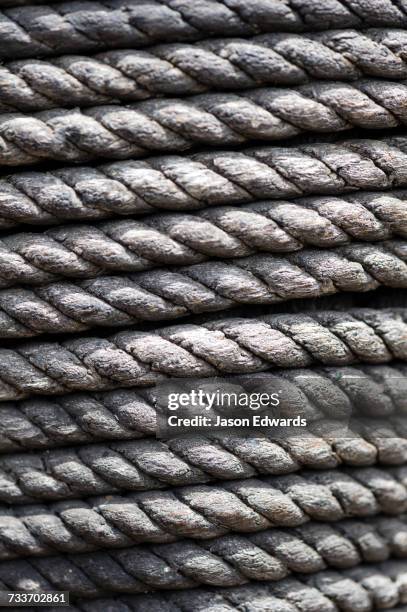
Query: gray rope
373, 392
85, 251
232, 560
228, 346
149, 464
210, 119
49, 30
361, 589
202, 512
212, 286
185, 69
217, 178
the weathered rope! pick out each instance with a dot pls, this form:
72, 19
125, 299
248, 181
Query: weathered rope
184, 69
202, 512
149, 464
177, 125
82, 251
59, 28
361, 589
116, 301
231, 560
369, 391
217, 178
228, 346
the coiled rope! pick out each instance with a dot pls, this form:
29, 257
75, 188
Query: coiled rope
369, 391
210, 119
201, 511
82, 251
212, 286
72, 26
148, 464
229, 346
216, 178
232, 560
360, 589
185, 69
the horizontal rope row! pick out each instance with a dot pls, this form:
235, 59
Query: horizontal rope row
184, 69
228, 346
85, 251
201, 511
361, 589
216, 178
370, 391
232, 560
209, 119
116, 301
72, 26
144, 465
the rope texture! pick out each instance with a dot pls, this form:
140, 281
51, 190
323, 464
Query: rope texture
212, 286
233, 560
143, 128
201, 511
78, 26
185, 69
217, 178
361, 589
85, 251
148, 464
369, 391
229, 346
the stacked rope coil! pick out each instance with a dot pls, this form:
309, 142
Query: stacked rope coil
178, 211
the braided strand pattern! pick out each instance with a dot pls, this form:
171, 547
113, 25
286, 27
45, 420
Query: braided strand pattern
373, 392
232, 560
83, 251
361, 589
219, 178
149, 464
182, 69
202, 511
168, 124
76, 26
229, 346
207, 287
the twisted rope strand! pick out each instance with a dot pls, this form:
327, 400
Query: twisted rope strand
212, 286
219, 178
200, 512
149, 464
210, 119
82, 251
185, 69
75, 27
228, 346
361, 589
232, 560
369, 391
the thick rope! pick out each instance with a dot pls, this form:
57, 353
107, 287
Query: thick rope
149, 464
182, 69
217, 178
201, 512
85, 251
177, 125
369, 391
232, 560
228, 346
168, 294
360, 589
76, 27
